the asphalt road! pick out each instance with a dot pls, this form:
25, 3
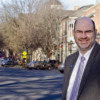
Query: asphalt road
24, 84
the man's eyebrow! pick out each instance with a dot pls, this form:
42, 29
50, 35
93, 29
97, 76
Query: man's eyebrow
78, 30
88, 30
84, 31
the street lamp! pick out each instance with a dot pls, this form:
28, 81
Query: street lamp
70, 44
55, 49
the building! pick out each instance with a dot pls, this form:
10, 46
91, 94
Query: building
66, 27
53, 4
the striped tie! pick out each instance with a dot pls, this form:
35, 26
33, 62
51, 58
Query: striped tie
77, 81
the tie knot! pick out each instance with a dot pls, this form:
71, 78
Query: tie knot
82, 58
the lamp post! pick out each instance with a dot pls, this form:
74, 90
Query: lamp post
55, 49
70, 46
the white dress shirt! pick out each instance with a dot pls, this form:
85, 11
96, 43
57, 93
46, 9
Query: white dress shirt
73, 76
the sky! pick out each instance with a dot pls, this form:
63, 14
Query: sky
69, 4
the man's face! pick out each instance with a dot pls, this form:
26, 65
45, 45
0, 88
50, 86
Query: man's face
84, 34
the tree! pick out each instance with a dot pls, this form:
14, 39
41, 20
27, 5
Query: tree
25, 24
50, 21
18, 23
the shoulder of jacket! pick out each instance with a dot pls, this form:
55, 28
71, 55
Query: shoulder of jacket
72, 55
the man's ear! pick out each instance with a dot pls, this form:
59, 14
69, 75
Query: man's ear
96, 32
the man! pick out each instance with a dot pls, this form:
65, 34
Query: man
82, 77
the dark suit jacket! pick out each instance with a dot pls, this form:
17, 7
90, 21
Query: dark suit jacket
90, 84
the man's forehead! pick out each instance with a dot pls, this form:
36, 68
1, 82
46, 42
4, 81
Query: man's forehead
84, 22
84, 19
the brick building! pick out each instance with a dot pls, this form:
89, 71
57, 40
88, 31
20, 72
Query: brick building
67, 25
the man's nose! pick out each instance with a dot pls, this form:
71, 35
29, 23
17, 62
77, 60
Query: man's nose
84, 34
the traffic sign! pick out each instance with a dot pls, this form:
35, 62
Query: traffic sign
24, 53
24, 56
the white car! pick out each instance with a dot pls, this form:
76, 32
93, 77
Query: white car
31, 65
61, 67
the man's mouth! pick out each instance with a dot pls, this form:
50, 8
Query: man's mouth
83, 41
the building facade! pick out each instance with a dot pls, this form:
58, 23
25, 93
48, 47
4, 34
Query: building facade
67, 26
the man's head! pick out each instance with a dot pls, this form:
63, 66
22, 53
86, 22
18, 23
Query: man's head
84, 33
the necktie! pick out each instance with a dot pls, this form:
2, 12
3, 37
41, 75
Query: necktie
77, 81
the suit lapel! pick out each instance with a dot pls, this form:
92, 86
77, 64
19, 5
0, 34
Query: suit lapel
73, 63
88, 67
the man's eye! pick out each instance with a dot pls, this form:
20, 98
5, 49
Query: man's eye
79, 32
90, 31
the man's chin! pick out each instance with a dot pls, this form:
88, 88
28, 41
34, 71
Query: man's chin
84, 48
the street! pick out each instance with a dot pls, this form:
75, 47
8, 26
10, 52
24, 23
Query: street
24, 84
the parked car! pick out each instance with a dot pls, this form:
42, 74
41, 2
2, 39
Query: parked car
61, 67
4, 61
53, 64
31, 65
47, 65
2, 58
41, 65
